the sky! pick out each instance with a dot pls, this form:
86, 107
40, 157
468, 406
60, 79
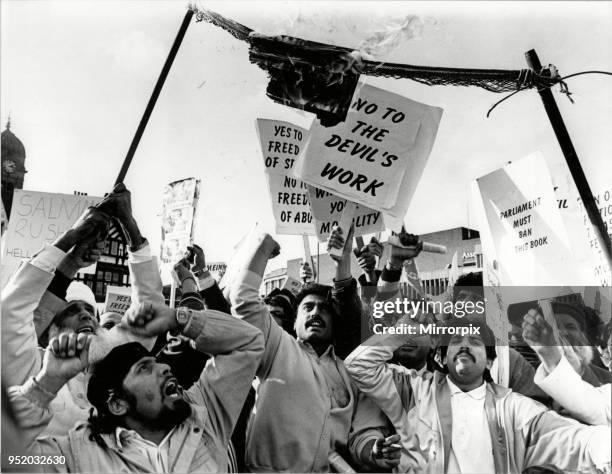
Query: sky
77, 75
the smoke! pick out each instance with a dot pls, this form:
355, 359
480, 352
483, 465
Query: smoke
374, 31
380, 43
314, 58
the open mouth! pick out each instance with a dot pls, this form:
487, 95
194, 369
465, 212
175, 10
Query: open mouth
315, 323
172, 389
86, 329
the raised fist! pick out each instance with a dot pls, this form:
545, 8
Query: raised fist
540, 337
196, 258
86, 254
90, 227
65, 356
150, 319
305, 272
336, 240
118, 203
404, 246
268, 246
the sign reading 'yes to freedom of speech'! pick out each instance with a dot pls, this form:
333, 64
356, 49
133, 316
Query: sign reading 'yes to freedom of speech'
281, 143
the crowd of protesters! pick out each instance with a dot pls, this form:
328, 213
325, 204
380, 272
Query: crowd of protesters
228, 381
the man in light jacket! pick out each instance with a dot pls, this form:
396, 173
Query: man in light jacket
145, 422
558, 377
308, 411
465, 423
29, 310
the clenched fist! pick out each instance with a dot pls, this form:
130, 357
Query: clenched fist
150, 319
539, 335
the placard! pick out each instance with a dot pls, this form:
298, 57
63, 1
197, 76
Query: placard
377, 156
38, 217
179, 205
281, 143
118, 299
327, 210
528, 234
216, 269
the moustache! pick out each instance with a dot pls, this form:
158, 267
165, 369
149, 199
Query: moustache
466, 352
313, 320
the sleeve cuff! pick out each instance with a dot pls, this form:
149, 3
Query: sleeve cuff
340, 284
143, 254
390, 276
59, 285
48, 258
34, 392
366, 456
195, 326
562, 375
205, 281
363, 282
192, 301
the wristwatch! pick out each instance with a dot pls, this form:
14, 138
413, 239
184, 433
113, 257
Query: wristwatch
183, 316
394, 268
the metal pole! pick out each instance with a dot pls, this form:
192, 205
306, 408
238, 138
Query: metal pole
573, 163
156, 91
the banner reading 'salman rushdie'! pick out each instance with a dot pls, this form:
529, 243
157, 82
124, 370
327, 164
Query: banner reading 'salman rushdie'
377, 156
37, 218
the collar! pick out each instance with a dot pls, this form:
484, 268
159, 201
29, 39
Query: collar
123, 435
328, 352
478, 393
422, 370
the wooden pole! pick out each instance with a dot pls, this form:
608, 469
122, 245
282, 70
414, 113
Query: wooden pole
307, 255
359, 242
156, 91
346, 220
573, 163
172, 293
318, 260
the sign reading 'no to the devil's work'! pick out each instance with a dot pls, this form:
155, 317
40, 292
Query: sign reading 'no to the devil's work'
376, 157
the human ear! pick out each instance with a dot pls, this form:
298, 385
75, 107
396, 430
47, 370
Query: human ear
117, 406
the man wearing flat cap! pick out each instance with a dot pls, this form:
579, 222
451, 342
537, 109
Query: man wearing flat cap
144, 420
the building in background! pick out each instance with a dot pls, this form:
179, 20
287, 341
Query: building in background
13, 166
323, 265
433, 268
111, 269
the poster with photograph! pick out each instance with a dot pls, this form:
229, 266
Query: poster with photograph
179, 206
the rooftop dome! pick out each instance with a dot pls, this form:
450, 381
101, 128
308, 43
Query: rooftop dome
12, 148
